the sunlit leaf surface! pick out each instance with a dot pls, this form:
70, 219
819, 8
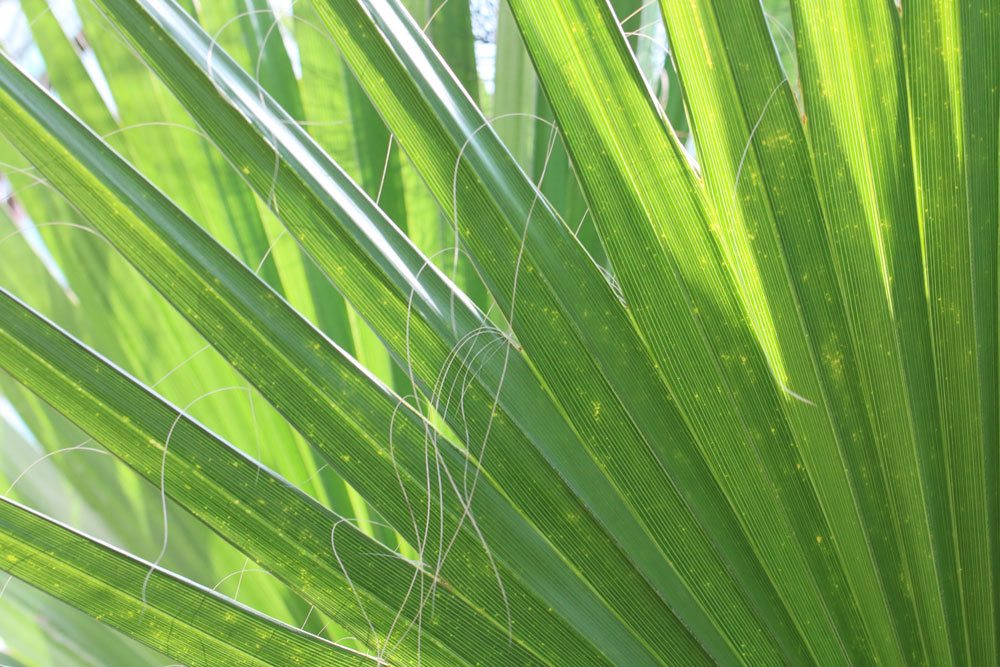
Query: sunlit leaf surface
530, 332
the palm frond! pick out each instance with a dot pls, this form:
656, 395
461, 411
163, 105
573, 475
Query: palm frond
637, 333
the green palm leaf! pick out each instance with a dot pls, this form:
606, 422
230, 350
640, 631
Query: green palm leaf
204, 628
518, 366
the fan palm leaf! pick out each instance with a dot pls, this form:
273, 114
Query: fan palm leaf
544, 385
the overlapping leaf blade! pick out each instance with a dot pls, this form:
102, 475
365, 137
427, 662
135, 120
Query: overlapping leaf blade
142, 600
376, 470
857, 119
330, 562
292, 150
949, 54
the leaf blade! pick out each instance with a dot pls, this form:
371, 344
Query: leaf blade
139, 599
